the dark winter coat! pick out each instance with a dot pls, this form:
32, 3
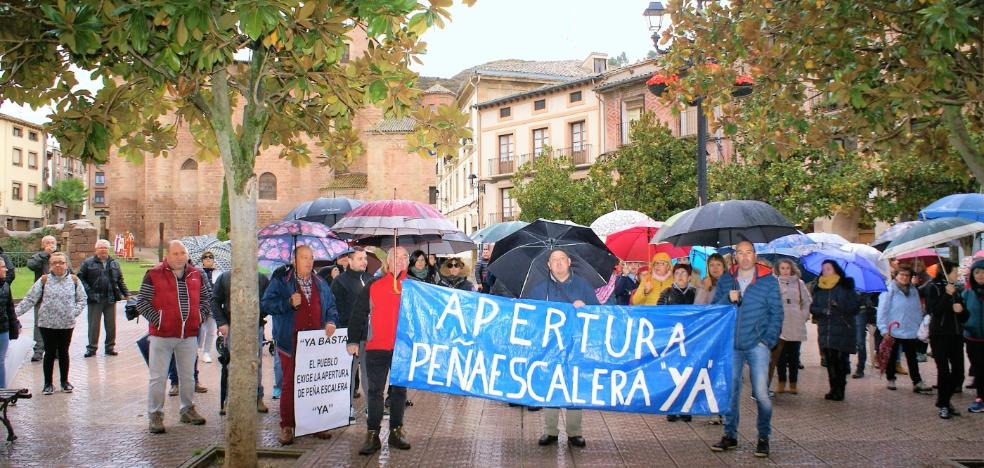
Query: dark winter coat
624, 285
676, 296
455, 282
760, 312
222, 298
347, 287
103, 283
276, 302
834, 310
38, 263
943, 321
8, 318
9, 279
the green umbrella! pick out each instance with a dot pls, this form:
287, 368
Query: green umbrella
931, 233
493, 233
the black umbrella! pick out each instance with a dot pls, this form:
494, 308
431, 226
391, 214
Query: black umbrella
323, 210
725, 223
519, 260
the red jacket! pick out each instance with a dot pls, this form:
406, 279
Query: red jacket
384, 299
158, 302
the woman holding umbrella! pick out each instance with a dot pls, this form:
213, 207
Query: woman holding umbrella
835, 303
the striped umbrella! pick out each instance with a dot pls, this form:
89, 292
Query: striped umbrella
393, 218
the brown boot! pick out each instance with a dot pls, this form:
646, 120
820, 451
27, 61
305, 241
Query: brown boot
781, 387
900, 370
286, 436
261, 407
792, 388
372, 444
398, 439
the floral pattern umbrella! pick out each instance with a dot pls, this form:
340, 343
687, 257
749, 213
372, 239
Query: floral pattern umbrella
278, 241
197, 245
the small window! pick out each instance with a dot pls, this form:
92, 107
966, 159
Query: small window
18, 132
36, 224
268, 186
432, 195
17, 157
600, 65
32, 160
505, 112
15, 191
100, 178
540, 104
540, 140
33, 136
576, 96
99, 197
189, 165
32, 192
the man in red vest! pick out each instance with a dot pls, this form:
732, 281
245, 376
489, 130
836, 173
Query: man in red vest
175, 300
378, 330
298, 300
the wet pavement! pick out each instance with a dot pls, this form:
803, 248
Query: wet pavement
103, 424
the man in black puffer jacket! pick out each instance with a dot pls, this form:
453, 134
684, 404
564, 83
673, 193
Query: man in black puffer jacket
221, 307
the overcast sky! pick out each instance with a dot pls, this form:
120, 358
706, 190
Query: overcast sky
512, 29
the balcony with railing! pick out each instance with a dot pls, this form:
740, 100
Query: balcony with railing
496, 218
507, 165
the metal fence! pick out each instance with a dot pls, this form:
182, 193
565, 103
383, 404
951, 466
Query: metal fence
19, 258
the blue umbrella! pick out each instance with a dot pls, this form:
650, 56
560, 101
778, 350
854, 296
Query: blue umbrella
961, 205
791, 241
866, 276
698, 258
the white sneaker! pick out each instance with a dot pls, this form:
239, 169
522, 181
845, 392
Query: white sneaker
206, 357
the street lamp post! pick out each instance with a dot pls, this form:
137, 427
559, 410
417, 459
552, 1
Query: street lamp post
656, 14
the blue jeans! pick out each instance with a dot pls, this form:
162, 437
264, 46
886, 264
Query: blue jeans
861, 336
758, 365
4, 342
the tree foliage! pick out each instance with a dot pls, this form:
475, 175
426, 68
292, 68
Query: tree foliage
545, 188
888, 73
70, 192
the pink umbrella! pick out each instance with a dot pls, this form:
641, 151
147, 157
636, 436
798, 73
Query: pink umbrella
979, 254
394, 218
928, 256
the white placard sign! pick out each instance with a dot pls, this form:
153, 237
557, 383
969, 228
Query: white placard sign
322, 380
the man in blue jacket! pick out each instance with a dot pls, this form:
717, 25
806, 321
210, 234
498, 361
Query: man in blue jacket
298, 300
755, 290
563, 286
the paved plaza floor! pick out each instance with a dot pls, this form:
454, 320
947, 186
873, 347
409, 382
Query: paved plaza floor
104, 424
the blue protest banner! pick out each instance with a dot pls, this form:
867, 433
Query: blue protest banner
666, 360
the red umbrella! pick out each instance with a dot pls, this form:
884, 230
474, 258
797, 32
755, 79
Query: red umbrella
671, 250
632, 243
928, 256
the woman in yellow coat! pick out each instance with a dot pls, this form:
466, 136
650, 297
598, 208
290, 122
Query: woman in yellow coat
653, 281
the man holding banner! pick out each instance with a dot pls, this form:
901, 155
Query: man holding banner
755, 290
378, 330
563, 286
298, 300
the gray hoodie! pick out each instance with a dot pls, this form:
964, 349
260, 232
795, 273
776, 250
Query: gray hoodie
64, 300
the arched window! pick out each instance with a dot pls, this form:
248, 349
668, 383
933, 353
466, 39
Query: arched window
189, 165
268, 186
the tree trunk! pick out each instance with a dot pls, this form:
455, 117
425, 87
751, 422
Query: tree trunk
241, 403
961, 141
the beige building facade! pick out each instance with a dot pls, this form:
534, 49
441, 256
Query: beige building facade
22, 167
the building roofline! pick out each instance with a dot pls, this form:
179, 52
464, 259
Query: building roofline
538, 92
619, 83
527, 75
23, 122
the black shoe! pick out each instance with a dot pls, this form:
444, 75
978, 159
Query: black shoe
858, 374
838, 395
577, 441
39, 355
372, 444
48, 390
67, 387
672, 417
547, 440
89, 354
513, 405
945, 413
829, 395
533, 409
112, 353
953, 411
762, 448
398, 439
726, 443
686, 418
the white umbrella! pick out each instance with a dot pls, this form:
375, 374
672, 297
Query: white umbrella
616, 221
932, 233
827, 240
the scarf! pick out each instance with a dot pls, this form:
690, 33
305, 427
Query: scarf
661, 278
421, 274
828, 282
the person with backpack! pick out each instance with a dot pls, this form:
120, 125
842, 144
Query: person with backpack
60, 299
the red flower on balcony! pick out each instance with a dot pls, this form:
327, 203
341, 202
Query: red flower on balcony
661, 79
744, 80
